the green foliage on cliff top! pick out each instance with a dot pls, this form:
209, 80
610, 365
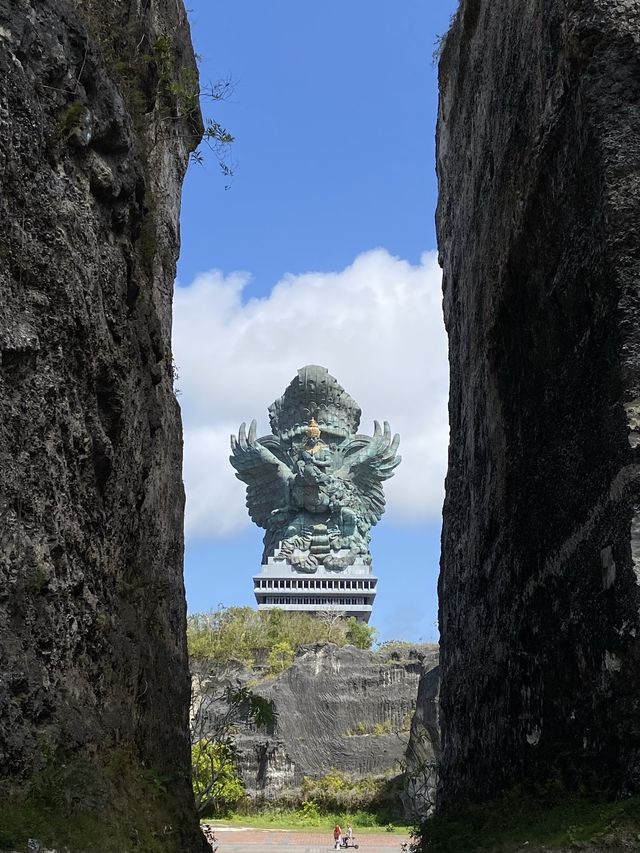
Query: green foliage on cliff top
519, 821
245, 634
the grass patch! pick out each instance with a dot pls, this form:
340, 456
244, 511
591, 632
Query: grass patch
516, 819
362, 822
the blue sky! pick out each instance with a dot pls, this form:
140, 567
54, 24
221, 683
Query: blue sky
320, 251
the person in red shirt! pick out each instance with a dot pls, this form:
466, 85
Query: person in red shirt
337, 832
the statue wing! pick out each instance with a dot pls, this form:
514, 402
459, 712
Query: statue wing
367, 461
266, 474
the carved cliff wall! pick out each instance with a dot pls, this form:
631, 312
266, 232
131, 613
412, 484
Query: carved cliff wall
97, 118
343, 709
539, 233
423, 749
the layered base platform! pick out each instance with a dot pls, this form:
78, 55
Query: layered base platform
351, 591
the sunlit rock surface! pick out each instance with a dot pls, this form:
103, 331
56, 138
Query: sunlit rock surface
342, 709
539, 234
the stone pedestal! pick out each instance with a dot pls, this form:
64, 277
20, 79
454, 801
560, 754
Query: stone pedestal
351, 591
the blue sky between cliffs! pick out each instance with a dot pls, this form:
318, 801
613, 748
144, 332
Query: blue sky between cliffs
321, 251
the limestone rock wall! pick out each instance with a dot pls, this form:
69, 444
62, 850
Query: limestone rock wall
328, 704
92, 613
423, 749
538, 159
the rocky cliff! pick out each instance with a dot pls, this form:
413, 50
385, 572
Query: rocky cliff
98, 114
343, 709
539, 233
423, 749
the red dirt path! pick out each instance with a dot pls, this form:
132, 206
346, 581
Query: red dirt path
294, 841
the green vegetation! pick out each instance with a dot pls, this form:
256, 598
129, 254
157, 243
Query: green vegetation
405, 725
106, 807
247, 635
158, 89
308, 818
359, 634
517, 819
280, 657
181, 96
338, 792
215, 774
217, 786
361, 728
368, 802
71, 119
441, 38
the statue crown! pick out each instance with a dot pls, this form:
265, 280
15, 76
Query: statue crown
313, 430
314, 399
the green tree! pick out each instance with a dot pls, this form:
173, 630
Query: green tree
215, 719
360, 634
216, 782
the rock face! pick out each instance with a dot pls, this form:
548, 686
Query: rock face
423, 749
343, 709
95, 142
539, 233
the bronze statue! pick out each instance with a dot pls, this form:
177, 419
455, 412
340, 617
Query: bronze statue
315, 485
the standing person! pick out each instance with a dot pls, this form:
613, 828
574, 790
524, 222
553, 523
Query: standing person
337, 832
349, 832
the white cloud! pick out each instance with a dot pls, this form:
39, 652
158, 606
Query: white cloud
376, 326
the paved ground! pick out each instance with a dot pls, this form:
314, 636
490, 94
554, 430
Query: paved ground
238, 840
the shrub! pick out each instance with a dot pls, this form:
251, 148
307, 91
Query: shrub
340, 793
280, 657
242, 633
359, 634
309, 810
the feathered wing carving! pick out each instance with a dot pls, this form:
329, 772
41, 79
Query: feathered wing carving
266, 474
367, 461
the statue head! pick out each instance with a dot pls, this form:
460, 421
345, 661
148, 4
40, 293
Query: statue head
314, 395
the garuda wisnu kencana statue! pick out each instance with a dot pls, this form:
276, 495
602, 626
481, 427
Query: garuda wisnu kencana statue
315, 485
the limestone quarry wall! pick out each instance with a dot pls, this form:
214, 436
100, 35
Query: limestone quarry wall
343, 709
92, 614
423, 749
538, 159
